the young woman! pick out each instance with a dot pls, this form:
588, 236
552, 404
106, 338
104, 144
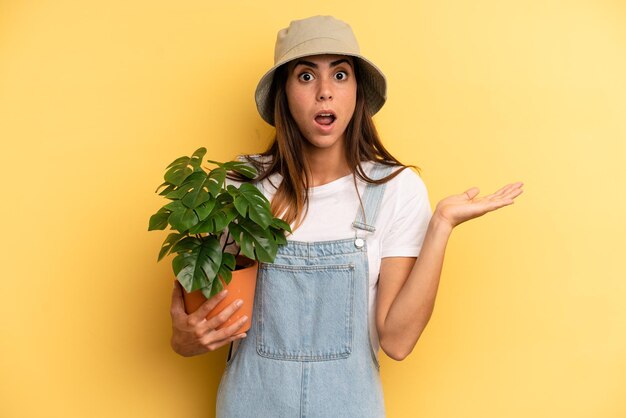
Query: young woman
349, 281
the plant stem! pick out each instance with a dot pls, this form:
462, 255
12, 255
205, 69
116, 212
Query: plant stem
226, 243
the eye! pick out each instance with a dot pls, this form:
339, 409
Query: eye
305, 77
341, 75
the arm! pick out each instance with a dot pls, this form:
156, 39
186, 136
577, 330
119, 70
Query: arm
406, 292
408, 287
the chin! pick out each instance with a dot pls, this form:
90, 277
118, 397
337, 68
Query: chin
323, 142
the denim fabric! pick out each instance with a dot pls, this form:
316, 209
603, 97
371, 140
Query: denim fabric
308, 351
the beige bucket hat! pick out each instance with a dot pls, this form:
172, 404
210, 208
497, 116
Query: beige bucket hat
320, 35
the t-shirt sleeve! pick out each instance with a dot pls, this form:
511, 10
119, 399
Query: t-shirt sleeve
405, 233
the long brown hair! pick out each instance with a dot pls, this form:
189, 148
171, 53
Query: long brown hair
286, 155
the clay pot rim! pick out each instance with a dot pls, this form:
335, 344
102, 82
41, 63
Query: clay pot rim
244, 262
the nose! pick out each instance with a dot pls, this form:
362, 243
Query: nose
325, 90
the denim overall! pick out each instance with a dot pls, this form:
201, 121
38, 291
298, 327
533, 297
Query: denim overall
308, 352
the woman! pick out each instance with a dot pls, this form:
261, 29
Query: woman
349, 281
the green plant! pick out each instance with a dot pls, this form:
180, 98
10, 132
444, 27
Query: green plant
202, 209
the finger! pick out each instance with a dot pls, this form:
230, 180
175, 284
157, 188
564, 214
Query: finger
504, 191
488, 206
204, 309
514, 191
502, 201
502, 197
214, 345
231, 329
225, 314
472, 192
177, 306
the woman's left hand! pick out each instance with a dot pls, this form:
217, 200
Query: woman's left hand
457, 209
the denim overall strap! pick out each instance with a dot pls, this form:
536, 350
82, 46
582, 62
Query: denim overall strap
372, 199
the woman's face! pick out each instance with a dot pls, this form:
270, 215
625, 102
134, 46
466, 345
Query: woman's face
321, 93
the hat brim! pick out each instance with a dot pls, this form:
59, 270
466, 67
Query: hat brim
372, 79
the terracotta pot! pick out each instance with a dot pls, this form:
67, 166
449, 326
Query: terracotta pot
242, 286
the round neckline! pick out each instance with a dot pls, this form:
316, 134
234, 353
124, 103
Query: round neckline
334, 184
331, 184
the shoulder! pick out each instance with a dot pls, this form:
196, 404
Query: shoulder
405, 197
406, 181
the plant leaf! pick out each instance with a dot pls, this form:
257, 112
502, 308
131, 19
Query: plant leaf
229, 261
169, 243
183, 167
165, 191
193, 191
215, 181
195, 198
225, 274
187, 245
184, 268
280, 224
250, 202
278, 236
212, 290
227, 267
245, 169
265, 247
204, 210
255, 242
221, 215
197, 266
182, 217
237, 233
277, 229
159, 220
217, 163
210, 225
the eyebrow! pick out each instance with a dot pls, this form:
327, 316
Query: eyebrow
314, 65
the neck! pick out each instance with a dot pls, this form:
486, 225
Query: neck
326, 164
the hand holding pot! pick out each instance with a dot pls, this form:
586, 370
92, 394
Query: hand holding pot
193, 334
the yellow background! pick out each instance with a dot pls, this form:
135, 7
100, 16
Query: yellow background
96, 98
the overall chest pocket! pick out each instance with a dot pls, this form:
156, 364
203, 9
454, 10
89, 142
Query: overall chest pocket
305, 312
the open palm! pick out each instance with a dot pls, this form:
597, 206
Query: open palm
457, 209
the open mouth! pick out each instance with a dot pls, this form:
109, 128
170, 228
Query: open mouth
325, 118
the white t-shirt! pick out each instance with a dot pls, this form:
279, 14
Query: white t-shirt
401, 225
